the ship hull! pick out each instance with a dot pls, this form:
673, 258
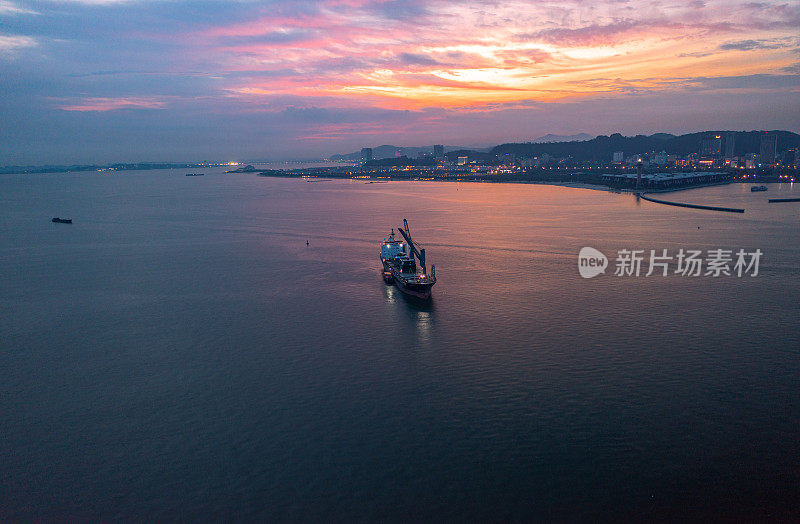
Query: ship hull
414, 289
423, 292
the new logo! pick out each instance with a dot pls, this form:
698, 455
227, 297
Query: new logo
591, 262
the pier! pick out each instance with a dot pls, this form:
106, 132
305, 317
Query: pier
665, 181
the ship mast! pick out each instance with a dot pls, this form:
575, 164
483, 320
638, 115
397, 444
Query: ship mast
419, 253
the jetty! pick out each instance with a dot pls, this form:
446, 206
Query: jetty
774, 200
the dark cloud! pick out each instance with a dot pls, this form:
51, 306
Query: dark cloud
345, 64
766, 82
591, 34
417, 59
794, 68
697, 54
403, 10
749, 45
757, 81
338, 115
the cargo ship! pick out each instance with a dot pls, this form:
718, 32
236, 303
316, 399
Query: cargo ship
400, 265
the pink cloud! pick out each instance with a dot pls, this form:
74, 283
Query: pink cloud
456, 54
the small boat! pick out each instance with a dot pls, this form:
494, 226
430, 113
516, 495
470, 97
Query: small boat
758, 188
62, 220
401, 265
195, 174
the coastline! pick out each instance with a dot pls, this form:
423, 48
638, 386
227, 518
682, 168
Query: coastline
592, 183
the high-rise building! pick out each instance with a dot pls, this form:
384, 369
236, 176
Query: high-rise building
366, 154
438, 152
769, 146
617, 157
711, 145
730, 145
791, 159
462, 160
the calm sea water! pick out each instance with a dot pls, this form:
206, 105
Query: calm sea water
179, 352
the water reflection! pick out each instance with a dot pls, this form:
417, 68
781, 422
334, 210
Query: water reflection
419, 313
424, 325
391, 293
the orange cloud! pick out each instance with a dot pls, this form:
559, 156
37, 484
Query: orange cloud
454, 55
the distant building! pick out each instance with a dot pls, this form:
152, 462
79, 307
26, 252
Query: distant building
366, 154
791, 158
462, 160
508, 158
730, 145
660, 159
711, 145
769, 146
438, 152
617, 157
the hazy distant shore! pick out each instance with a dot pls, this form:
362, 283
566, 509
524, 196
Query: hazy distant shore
150, 166
574, 180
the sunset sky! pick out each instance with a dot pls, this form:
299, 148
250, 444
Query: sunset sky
149, 80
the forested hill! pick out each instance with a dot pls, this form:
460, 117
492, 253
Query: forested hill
602, 147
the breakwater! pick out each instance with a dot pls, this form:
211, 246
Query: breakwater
692, 206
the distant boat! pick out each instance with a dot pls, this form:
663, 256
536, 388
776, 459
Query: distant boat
62, 220
758, 188
195, 174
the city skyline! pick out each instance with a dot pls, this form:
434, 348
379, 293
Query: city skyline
106, 80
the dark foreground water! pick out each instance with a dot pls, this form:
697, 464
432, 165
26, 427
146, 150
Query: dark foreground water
179, 352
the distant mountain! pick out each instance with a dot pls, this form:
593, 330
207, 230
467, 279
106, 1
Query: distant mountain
585, 147
602, 147
388, 151
549, 138
662, 136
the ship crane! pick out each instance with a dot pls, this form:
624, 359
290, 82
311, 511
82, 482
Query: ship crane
419, 253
